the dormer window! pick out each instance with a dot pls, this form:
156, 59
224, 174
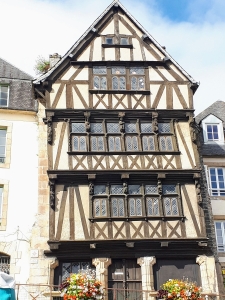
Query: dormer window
212, 130
109, 40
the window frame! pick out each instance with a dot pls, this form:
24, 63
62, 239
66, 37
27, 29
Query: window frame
5, 125
4, 184
214, 121
222, 223
143, 196
4, 85
217, 182
146, 141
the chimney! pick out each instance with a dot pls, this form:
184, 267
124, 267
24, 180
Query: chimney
53, 59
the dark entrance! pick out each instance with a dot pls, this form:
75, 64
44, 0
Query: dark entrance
124, 279
166, 269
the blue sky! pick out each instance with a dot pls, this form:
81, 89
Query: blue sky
193, 32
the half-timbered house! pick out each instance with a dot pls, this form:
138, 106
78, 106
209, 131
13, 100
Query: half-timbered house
122, 192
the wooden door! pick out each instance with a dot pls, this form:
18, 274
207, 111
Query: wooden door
124, 279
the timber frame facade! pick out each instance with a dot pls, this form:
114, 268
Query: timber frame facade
118, 142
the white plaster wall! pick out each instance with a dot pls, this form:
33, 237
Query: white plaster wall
218, 207
22, 176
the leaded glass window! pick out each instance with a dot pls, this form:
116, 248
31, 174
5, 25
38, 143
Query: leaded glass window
118, 70
134, 189
114, 143
79, 143
169, 189
96, 128
99, 190
100, 207
100, 70
113, 127
152, 205
131, 143
118, 83
97, 143
148, 143
78, 128
146, 127
116, 189
151, 189
171, 206
135, 207
164, 127
118, 207
165, 143
130, 128
137, 70
74, 267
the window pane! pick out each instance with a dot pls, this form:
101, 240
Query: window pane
167, 206
100, 143
152, 206
148, 143
133, 83
99, 189
121, 208
129, 143
118, 70
76, 143
113, 127
169, 189
135, 143
116, 189
162, 141
96, 83
100, 208
130, 127
103, 83
118, 207
138, 207
141, 83
151, 189
174, 207
165, 143
134, 189
109, 41
2, 144
114, 208
137, 70
132, 207
99, 70
96, 128
164, 127
115, 83
97, 207
4, 90
83, 143
169, 145
78, 128
124, 41
122, 83
146, 127
1, 197
117, 144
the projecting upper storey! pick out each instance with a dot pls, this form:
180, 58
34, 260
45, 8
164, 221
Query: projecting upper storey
116, 64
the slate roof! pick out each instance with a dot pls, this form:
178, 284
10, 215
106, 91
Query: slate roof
218, 110
69, 54
21, 95
7, 70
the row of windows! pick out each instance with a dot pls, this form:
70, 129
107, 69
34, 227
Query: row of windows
106, 136
139, 201
119, 77
111, 41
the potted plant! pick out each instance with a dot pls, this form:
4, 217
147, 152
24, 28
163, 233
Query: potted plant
175, 289
82, 286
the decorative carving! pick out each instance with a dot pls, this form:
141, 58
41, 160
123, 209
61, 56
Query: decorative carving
49, 129
146, 264
125, 187
91, 188
192, 128
87, 121
101, 265
121, 121
155, 122
52, 193
159, 184
198, 191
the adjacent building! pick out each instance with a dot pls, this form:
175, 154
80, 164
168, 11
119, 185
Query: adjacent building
211, 124
120, 186
18, 169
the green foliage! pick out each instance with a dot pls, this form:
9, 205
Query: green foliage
42, 65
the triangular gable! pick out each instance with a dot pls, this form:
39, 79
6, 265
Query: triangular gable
9, 71
157, 52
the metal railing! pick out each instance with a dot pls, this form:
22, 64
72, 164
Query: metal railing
49, 292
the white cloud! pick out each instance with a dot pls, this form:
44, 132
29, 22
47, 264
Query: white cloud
38, 27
